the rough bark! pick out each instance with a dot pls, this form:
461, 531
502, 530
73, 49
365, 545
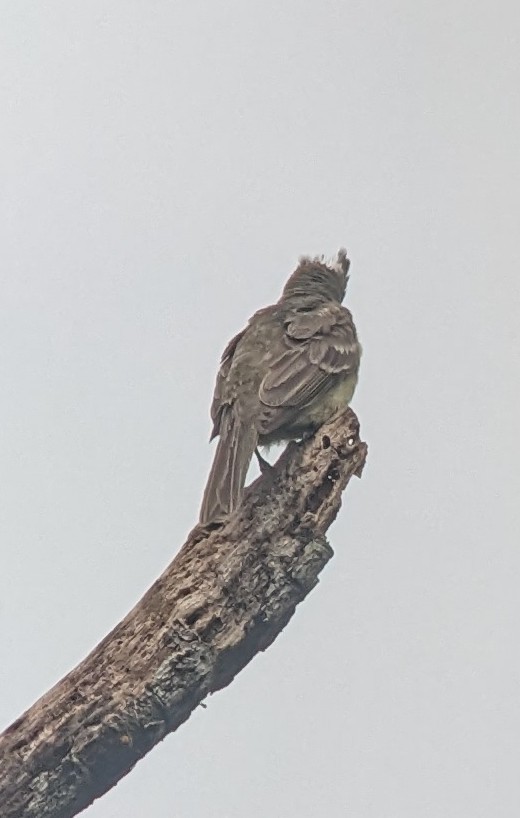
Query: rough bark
227, 595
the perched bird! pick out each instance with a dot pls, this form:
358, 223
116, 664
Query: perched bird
293, 366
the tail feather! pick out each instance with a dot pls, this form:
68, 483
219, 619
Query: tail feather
227, 477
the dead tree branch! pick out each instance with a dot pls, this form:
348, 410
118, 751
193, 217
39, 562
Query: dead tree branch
226, 595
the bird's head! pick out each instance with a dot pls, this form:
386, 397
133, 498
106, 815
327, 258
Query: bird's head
320, 279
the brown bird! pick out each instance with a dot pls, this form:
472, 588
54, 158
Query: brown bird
293, 366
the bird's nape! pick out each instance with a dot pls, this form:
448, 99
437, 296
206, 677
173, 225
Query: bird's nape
326, 279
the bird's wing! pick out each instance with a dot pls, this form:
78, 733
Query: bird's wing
218, 396
320, 344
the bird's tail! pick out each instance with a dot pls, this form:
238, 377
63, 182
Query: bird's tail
235, 448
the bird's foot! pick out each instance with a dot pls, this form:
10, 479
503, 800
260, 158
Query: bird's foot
264, 465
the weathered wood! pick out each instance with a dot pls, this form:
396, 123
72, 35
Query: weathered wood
226, 596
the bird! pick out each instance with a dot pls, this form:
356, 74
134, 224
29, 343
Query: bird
290, 370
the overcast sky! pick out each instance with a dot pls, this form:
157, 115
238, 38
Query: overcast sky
163, 165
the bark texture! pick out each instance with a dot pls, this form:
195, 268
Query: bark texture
227, 595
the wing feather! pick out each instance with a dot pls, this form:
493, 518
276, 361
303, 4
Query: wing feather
320, 346
218, 401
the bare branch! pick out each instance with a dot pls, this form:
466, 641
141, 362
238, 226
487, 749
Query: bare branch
226, 595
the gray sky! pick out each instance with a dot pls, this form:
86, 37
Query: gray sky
162, 167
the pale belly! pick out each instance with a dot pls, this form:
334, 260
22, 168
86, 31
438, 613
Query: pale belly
316, 414
335, 399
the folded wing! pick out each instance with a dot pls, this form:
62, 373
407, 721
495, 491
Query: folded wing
320, 347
